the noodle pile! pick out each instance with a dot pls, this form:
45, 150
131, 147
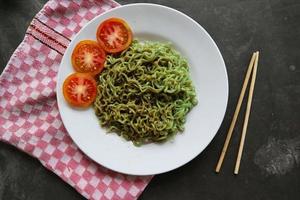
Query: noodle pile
145, 93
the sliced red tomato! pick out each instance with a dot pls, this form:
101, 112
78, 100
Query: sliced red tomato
88, 57
80, 89
114, 35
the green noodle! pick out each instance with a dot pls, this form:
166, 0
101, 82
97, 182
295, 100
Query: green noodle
145, 93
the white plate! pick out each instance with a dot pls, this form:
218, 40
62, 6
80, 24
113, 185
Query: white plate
208, 71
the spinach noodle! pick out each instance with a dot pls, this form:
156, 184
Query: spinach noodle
145, 93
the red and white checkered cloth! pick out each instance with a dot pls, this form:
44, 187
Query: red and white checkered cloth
29, 117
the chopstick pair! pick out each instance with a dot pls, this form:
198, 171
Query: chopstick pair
251, 68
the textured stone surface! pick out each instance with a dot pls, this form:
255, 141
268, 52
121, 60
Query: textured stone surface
239, 27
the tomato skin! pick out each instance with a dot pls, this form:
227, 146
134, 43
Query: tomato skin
88, 57
121, 35
80, 89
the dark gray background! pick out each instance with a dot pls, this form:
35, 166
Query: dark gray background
239, 27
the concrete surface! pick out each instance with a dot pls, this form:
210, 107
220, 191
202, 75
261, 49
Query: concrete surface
270, 164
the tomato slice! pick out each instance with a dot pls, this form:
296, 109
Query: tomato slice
80, 89
114, 35
88, 57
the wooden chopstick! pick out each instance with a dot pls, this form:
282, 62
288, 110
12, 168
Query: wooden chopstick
236, 113
244, 132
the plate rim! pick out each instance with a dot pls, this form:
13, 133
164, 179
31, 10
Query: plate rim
226, 87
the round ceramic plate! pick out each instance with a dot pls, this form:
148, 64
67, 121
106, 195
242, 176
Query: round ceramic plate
208, 72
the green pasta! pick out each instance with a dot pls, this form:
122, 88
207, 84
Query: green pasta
145, 93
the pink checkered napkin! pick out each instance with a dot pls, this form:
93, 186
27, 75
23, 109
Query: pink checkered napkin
29, 117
